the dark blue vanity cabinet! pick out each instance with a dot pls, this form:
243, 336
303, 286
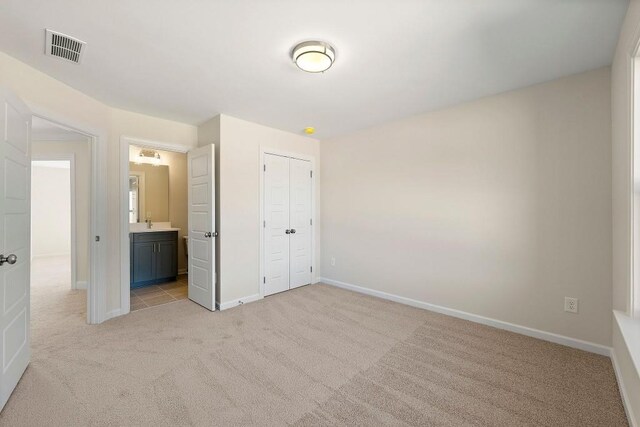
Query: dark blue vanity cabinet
154, 257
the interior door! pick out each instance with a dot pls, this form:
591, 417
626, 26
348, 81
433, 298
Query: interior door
15, 180
300, 223
201, 182
276, 224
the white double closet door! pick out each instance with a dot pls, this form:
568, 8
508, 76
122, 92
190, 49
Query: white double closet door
287, 223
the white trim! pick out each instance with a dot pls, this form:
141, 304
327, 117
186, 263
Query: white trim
97, 285
114, 313
314, 227
71, 158
630, 330
523, 330
81, 284
125, 142
156, 145
626, 400
230, 304
632, 51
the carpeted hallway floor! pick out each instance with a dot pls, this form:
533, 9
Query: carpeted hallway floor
316, 355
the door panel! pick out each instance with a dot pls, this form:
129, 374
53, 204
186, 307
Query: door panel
202, 267
276, 216
15, 173
300, 221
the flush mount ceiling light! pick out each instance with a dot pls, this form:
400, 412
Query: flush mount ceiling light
313, 56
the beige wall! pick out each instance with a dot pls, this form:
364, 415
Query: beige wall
62, 102
178, 195
238, 198
51, 211
81, 152
622, 181
498, 207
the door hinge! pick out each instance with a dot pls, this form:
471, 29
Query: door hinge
311, 222
264, 280
264, 168
311, 174
311, 269
264, 224
97, 238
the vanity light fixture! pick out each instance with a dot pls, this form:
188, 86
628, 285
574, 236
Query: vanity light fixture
313, 56
150, 157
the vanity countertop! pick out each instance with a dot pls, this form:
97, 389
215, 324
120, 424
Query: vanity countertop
141, 227
153, 230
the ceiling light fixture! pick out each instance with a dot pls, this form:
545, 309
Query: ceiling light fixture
150, 157
313, 56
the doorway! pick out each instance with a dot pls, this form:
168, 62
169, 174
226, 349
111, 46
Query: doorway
160, 262
60, 222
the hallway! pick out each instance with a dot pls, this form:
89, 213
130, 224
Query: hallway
54, 305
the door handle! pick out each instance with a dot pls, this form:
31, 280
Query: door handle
287, 231
207, 234
10, 259
293, 231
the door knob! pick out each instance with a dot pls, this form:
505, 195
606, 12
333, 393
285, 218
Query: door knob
293, 231
287, 231
207, 234
11, 259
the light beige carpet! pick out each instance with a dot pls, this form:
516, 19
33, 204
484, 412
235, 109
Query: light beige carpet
317, 355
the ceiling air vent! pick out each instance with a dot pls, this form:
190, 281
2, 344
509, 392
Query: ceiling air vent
63, 46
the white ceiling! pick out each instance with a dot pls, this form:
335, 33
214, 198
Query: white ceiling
192, 59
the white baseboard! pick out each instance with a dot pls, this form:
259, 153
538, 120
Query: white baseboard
626, 401
113, 313
182, 271
230, 304
523, 330
81, 284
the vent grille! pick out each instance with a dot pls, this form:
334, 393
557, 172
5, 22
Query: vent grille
63, 46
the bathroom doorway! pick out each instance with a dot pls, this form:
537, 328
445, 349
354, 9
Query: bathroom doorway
157, 214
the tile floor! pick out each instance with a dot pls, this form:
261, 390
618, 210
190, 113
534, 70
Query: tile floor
163, 293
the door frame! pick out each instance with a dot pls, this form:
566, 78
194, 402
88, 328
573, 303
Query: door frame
314, 227
97, 285
125, 256
71, 158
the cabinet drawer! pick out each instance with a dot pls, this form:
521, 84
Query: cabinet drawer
155, 236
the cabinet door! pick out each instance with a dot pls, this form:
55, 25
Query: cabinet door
144, 262
166, 259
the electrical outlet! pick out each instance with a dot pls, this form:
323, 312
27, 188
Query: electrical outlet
333, 261
571, 304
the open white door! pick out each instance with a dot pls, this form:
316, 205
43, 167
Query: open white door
15, 178
202, 264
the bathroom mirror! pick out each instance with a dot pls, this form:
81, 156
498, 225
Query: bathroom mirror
148, 192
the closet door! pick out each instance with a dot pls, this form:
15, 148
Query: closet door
300, 223
276, 226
